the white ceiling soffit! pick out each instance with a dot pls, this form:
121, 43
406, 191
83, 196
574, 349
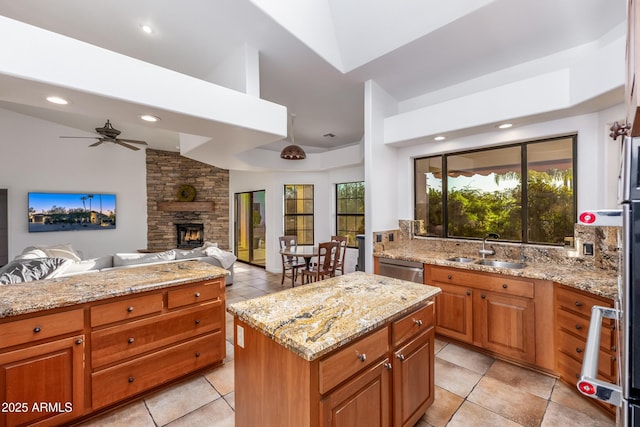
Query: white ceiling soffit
349, 34
42, 57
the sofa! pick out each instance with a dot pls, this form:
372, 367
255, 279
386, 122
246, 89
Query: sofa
47, 262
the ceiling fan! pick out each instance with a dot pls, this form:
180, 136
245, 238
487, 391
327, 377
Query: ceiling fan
110, 134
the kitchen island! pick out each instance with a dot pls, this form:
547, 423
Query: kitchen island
351, 350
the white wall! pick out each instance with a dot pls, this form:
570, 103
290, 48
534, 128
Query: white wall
34, 158
273, 184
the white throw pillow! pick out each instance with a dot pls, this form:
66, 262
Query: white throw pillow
60, 251
31, 253
89, 265
137, 258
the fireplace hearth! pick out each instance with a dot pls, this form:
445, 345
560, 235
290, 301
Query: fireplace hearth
190, 235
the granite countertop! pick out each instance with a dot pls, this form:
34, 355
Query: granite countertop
313, 319
29, 297
593, 280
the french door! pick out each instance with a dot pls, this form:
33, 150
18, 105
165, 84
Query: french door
249, 224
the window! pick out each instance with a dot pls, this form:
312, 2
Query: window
298, 212
350, 211
473, 193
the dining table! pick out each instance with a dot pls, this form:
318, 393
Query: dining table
305, 252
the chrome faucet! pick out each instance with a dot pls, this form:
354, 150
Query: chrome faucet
489, 251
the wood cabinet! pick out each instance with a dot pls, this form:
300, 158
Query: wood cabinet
573, 313
495, 312
633, 68
60, 365
381, 379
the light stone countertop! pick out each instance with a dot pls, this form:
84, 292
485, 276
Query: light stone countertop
29, 297
596, 281
313, 319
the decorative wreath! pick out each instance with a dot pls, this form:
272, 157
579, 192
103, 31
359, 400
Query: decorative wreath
186, 193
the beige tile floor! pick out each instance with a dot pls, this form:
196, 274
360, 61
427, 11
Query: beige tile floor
471, 389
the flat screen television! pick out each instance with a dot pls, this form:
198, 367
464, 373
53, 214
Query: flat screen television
71, 211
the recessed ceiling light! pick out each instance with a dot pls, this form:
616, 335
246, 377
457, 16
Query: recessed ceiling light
149, 118
439, 138
57, 100
147, 29
505, 125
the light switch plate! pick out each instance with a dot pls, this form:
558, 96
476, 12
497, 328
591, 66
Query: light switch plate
240, 336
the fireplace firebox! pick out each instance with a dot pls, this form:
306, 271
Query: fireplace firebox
190, 235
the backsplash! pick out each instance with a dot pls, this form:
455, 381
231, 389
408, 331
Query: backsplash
603, 239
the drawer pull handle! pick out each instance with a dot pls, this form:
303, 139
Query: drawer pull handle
130, 340
578, 350
197, 354
388, 366
36, 329
197, 321
504, 286
449, 277
362, 357
130, 309
468, 293
78, 341
418, 322
578, 327
131, 379
578, 304
400, 357
197, 294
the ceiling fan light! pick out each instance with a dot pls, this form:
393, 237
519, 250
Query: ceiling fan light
293, 152
149, 118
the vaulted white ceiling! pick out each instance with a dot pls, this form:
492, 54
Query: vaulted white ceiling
313, 56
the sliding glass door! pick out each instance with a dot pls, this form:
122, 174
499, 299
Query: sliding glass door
250, 227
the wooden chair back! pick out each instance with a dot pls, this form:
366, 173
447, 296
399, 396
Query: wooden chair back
342, 241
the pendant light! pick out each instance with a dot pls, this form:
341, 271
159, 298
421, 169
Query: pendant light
293, 151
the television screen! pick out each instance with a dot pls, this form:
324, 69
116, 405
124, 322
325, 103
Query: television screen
71, 211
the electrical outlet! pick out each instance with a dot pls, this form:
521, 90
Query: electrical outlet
587, 249
240, 336
378, 238
391, 237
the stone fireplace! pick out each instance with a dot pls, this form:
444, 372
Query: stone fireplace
189, 235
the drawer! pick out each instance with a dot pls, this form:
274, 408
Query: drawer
571, 369
41, 327
574, 347
347, 361
198, 293
578, 302
412, 324
131, 339
127, 379
576, 324
129, 308
504, 284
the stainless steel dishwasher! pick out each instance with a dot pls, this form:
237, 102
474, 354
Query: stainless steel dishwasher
406, 270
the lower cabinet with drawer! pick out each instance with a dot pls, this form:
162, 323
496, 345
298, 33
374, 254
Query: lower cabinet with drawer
384, 378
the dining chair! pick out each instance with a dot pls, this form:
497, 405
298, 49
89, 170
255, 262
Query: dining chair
290, 264
328, 253
342, 240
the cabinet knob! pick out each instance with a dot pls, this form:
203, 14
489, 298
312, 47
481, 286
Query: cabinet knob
388, 366
400, 357
613, 348
197, 321
78, 341
130, 340
197, 354
578, 304
504, 286
130, 309
418, 322
36, 329
197, 294
449, 277
362, 357
578, 327
468, 293
131, 379
483, 296
578, 350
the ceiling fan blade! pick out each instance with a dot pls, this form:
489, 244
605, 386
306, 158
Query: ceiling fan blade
95, 144
131, 147
134, 141
82, 137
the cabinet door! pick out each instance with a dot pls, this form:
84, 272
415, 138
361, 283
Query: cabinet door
43, 383
454, 312
506, 325
413, 366
364, 401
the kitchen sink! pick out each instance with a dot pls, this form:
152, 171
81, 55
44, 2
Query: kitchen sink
501, 264
461, 259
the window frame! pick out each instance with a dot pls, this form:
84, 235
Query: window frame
301, 242
339, 215
524, 238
